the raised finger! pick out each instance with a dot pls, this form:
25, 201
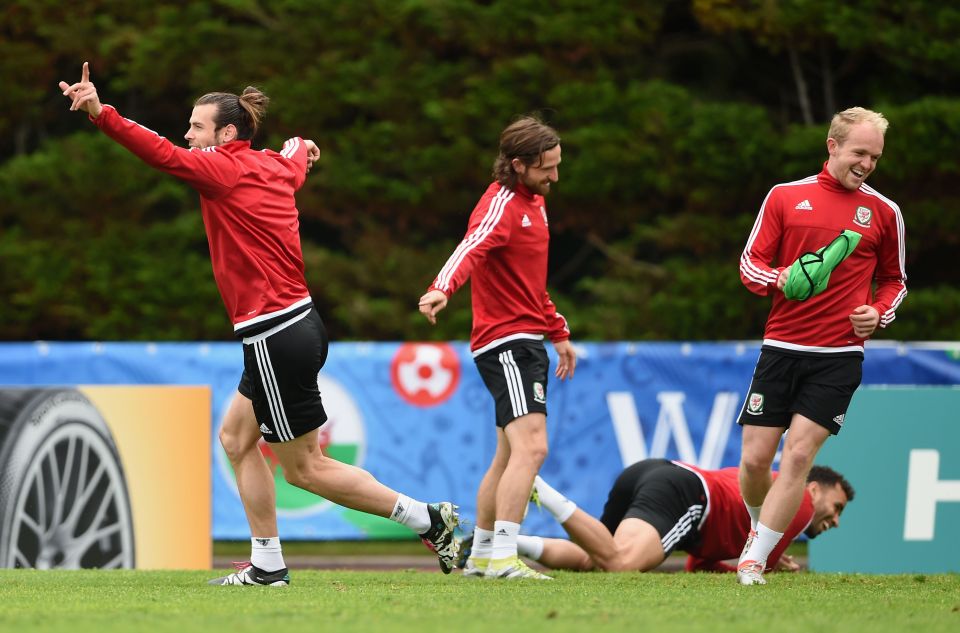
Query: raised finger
85, 73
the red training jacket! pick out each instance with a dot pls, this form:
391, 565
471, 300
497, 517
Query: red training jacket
251, 218
504, 252
803, 216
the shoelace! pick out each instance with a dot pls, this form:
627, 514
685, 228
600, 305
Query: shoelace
751, 566
241, 565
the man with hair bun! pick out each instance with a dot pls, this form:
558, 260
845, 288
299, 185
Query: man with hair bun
812, 355
504, 252
251, 219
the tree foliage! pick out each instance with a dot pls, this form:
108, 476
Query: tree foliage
676, 118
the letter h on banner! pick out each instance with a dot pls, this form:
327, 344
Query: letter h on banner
924, 491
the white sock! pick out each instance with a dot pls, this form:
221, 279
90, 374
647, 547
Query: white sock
530, 546
754, 514
266, 553
505, 539
766, 540
412, 513
556, 504
482, 543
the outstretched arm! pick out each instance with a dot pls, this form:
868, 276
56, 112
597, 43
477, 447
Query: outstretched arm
211, 173
83, 94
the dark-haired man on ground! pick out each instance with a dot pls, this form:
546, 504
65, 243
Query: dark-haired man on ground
657, 506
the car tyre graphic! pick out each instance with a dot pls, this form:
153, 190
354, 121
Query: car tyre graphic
63, 495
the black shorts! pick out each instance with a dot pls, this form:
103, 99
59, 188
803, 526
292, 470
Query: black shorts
817, 387
669, 497
280, 368
516, 376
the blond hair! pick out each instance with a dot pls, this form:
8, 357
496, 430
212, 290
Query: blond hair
843, 121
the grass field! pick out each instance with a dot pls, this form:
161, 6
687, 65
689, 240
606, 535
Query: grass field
343, 601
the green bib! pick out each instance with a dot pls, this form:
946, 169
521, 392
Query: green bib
811, 272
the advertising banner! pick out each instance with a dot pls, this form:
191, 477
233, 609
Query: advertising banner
903, 459
105, 477
418, 416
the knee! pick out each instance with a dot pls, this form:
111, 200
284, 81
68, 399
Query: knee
537, 453
611, 562
314, 472
586, 563
755, 465
235, 444
797, 457
532, 450
297, 476
535, 448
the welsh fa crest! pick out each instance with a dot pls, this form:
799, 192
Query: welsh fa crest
863, 217
755, 403
539, 394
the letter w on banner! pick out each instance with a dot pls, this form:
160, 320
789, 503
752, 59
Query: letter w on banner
672, 422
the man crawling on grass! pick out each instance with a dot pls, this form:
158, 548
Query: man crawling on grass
657, 506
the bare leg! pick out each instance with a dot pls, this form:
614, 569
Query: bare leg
636, 546
803, 441
758, 450
560, 553
487, 492
592, 536
239, 436
527, 439
306, 467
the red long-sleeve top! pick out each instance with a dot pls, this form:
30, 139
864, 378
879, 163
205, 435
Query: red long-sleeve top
725, 528
803, 216
250, 215
504, 253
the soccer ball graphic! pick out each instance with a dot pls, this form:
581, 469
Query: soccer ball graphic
425, 374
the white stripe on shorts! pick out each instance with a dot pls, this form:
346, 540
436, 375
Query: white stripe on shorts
518, 399
683, 526
272, 390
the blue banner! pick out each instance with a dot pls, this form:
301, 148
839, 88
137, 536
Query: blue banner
418, 416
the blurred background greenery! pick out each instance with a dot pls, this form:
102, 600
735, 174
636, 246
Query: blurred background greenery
676, 119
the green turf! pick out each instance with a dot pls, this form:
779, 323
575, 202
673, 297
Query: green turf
425, 602
240, 550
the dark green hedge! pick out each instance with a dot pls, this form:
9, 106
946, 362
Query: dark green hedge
676, 119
